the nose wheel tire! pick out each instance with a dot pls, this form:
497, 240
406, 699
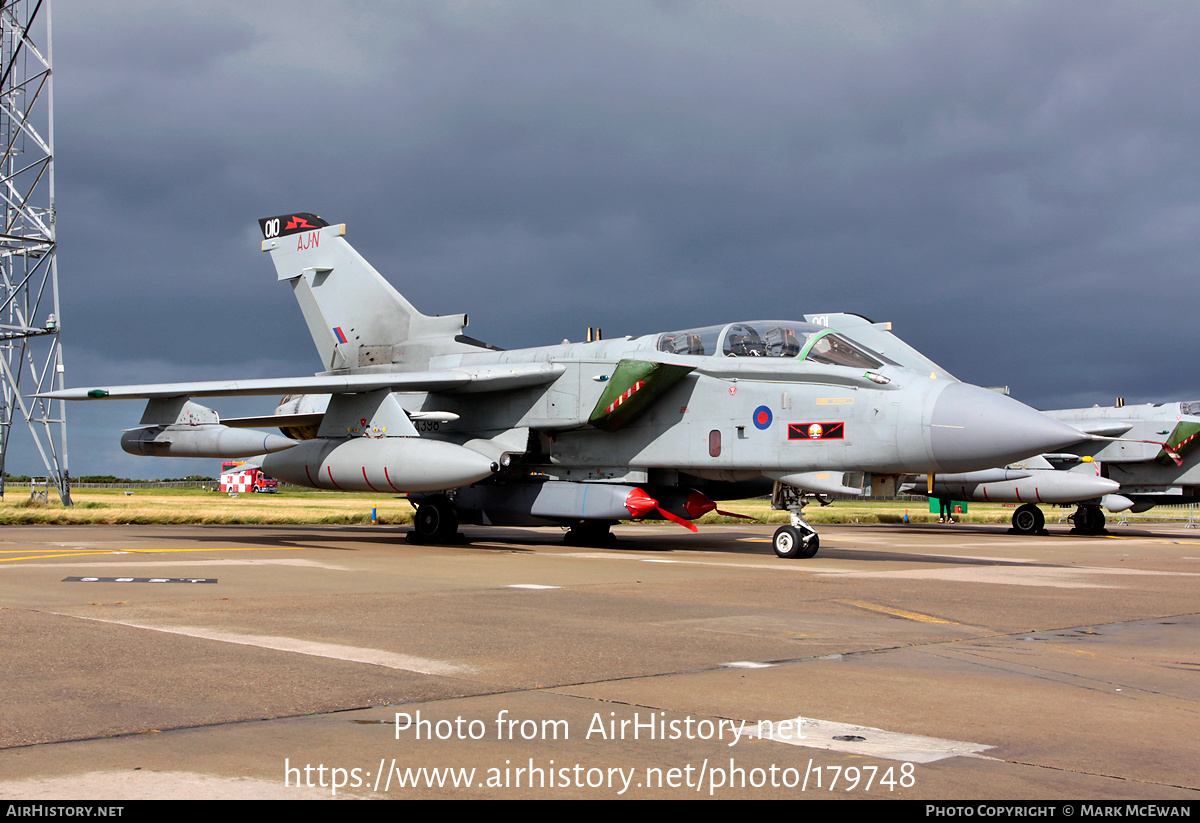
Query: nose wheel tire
790, 541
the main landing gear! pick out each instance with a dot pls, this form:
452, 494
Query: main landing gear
589, 533
1088, 520
436, 521
1028, 519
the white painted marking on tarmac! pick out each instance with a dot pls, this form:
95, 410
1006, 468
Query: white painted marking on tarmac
352, 654
1061, 577
976, 557
530, 586
621, 556
1075, 577
820, 734
309, 564
747, 664
769, 563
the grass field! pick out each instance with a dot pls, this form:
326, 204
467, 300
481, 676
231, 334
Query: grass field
194, 506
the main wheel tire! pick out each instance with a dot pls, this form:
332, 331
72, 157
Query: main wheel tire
1088, 520
436, 521
1095, 520
790, 541
1080, 520
1028, 519
589, 533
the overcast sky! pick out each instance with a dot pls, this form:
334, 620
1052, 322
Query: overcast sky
1014, 185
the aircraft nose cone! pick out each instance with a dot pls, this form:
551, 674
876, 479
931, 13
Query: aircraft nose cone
972, 428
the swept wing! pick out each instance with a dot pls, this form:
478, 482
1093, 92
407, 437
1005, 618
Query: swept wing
467, 379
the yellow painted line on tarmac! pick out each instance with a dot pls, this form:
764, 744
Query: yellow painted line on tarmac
44, 556
874, 607
58, 549
1166, 540
90, 552
225, 549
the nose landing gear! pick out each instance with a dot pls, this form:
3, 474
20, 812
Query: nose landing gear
796, 541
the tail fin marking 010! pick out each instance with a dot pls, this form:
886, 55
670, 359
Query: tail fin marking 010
355, 317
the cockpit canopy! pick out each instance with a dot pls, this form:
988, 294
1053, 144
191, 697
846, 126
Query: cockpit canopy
772, 338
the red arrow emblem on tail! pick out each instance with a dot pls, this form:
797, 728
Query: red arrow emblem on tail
298, 223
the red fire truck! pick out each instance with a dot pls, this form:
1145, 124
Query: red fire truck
236, 479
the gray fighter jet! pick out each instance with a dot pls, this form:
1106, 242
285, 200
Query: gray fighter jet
1132, 458
1037, 480
1149, 450
582, 435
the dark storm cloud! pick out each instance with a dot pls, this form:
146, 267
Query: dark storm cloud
1013, 185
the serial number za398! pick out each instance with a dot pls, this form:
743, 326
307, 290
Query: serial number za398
849, 778
427, 425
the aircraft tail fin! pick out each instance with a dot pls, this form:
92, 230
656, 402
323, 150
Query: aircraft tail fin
355, 316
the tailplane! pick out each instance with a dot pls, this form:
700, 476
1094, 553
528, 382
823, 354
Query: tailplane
356, 318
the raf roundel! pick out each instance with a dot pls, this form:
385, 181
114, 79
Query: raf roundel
762, 417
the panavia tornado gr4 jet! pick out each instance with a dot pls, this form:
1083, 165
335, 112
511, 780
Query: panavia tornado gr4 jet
1134, 458
583, 435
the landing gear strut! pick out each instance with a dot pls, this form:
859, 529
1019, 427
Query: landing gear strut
1088, 520
1028, 519
436, 521
797, 539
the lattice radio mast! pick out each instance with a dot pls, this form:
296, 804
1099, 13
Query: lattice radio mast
30, 352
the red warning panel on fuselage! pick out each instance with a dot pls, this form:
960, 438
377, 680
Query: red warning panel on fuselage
816, 431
